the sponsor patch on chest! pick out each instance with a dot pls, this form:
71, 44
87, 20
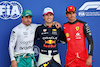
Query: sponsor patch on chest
78, 35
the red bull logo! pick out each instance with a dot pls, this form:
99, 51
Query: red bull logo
50, 44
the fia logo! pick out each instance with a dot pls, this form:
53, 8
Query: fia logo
10, 10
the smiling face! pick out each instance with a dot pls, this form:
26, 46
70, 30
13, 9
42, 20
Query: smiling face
27, 20
48, 18
71, 16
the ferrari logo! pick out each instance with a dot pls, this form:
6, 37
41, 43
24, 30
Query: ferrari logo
77, 28
70, 7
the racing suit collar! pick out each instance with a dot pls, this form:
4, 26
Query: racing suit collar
48, 26
73, 22
25, 25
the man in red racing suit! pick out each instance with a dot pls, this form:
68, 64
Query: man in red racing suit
76, 31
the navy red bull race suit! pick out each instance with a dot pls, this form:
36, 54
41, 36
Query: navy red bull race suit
76, 46
49, 37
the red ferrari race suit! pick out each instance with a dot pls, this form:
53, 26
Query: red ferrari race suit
76, 44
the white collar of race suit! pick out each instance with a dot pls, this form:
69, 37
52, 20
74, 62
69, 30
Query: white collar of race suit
25, 25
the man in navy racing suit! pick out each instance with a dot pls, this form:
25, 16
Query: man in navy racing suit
49, 36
